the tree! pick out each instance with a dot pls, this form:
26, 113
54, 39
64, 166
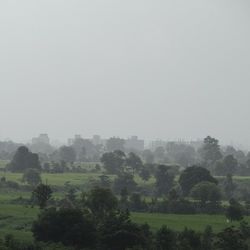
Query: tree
136, 202
114, 144
42, 194
230, 164
166, 239
24, 159
134, 162
148, 156
159, 154
164, 179
229, 186
113, 161
207, 239
206, 191
145, 173
189, 240
234, 211
210, 151
32, 176
119, 233
68, 226
67, 154
101, 202
193, 175
124, 181
231, 239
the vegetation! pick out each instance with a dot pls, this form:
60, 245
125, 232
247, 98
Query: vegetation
125, 200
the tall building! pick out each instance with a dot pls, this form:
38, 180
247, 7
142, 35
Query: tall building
42, 138
133, 143
96, 140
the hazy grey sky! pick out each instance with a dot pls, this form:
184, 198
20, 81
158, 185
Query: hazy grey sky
154, 68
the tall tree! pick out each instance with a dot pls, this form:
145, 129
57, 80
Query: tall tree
42, 194
164, 180
113, 161
210, 150
134, 162
67, 154
101, 202
193, 175
24, 159
68, 226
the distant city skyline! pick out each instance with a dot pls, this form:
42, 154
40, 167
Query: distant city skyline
156, 69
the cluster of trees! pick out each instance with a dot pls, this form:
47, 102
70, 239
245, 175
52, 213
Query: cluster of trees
97, 222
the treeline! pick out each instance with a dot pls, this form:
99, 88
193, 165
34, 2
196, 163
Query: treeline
219, 160
97, 222
191, 190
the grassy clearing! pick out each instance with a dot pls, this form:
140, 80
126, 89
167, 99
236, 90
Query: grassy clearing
179, 222
17, 220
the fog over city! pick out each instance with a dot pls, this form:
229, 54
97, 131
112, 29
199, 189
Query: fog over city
156, 69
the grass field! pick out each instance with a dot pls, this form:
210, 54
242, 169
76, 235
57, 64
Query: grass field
17, 220
179, 222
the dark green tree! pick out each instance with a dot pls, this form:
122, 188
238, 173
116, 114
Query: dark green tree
166, 239
24, 159
68, 226
164, 180
145, 173
193, 175
134, 162
210, 151
67, 154
206, 191
124, 181
207, 239
234, 211
229, 186
114, 161
101, 202
231, 239
42, 194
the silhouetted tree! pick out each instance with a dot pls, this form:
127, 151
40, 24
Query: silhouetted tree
210, 151
193, 175
24, 159
113, 161
234, 211
166, 239
42, 193
67, 154
206, 191
134, 162
229, 186
68, 226
101, 202
164, 179
124, 180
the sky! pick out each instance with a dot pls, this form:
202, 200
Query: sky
168, 69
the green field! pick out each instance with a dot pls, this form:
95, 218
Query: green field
17, 219
179, 222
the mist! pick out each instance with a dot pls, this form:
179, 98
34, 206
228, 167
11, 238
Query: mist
156, 69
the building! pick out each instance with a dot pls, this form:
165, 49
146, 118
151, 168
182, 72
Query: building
41, 139
133, 143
